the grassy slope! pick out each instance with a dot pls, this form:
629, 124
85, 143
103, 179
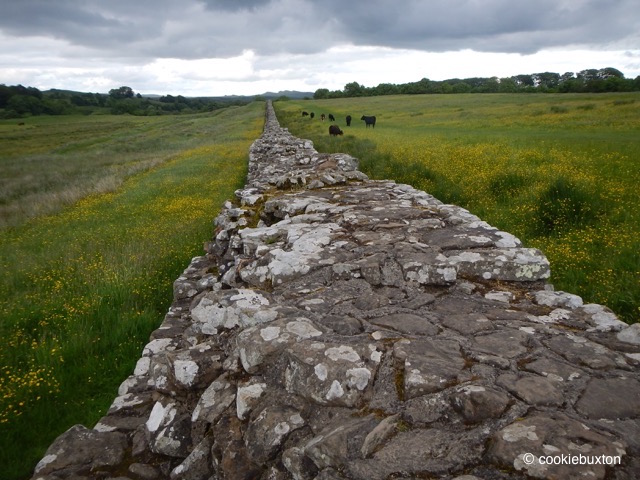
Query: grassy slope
83, 289
558, 171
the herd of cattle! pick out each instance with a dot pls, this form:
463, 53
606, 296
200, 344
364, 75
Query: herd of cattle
334, 129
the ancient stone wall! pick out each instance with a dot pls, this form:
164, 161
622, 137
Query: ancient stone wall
343, 328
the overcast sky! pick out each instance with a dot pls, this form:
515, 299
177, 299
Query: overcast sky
223, 47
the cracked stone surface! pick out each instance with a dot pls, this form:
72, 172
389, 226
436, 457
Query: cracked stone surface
357, 329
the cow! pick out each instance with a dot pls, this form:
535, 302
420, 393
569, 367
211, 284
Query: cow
322, 117
332, 118
312, 114
304, 114
334, 131
369, 121
348, 120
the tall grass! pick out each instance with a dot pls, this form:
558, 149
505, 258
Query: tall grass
559, 171
81, 290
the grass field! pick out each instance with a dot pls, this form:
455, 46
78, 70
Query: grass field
100, 215
560, 171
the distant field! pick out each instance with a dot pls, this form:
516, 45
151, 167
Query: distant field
53, 161
560, 171
100, 215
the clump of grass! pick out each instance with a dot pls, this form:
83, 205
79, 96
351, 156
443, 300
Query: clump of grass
563, 205
624, 101
558, 109
507, 185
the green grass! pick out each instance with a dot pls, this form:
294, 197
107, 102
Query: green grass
83, 288
560, 171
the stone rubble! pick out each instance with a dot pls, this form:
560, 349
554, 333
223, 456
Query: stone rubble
344, 328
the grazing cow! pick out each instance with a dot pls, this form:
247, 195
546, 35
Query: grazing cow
334, 130
312, 114
369, 121
332, 118
322, 117
348, 120
304, 114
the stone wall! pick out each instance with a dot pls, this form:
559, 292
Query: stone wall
343, 328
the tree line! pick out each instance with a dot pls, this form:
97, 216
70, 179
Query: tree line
586, 81
18, 101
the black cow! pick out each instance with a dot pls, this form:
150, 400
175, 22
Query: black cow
322, 117
369, 121
334, 130
312, 114
332, 118
304, 114
348, 120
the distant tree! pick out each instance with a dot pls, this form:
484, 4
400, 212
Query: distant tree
508, 85
610, 72
546, 80
385, 89
461, 87
25, 105
523, 80
354, 89
321, 93
5, 95
121, 93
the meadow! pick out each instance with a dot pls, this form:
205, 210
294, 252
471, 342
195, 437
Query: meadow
559, 171
99, 216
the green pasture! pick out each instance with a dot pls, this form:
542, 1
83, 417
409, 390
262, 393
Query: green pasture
99, 216
560, 171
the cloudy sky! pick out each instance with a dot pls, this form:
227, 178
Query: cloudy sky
223, 47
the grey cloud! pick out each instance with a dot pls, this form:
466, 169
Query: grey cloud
494, 25
224, 28
234, 5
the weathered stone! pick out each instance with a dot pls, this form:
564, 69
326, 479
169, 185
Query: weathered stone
338, 443
630, 334
533, 389
269, 429
430, 451
248, 395
169, 430
554, 370
430, 365
213, 402
507, 343
385, 429
477, 403
258, 344
298, 464
597, 401
406, 323
331, 374
468, 324
521, 445
81, 450
581, 351
143, 471
197, 465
